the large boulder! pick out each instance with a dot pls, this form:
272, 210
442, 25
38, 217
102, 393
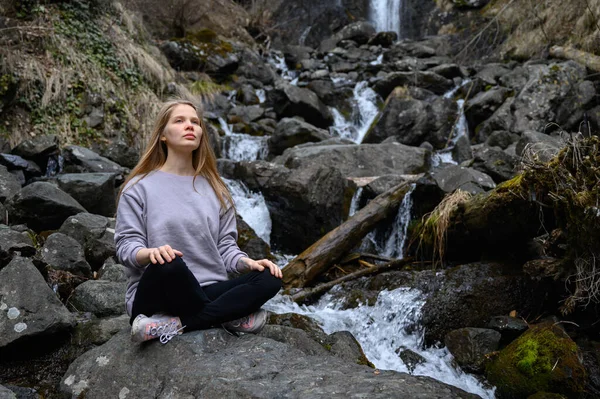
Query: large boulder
467, 297
470, 345
61, 252
100, 297
42, 206
9, 184
81, 160
540, 145
495, 163
412, 121
38, 149
28, 307
289, 100
360, 32
455, 177
424, 79
94, 191
122, 153
263, 368
359, 160
94, 233
544, 358
484, 104
290, 132
14, 242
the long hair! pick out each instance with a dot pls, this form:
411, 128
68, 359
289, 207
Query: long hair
203, 158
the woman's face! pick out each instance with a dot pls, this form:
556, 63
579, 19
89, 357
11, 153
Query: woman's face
183, 131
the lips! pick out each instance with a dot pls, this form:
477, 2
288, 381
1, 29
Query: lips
189, 136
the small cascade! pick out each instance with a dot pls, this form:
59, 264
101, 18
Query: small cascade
278, 62
354, 203
386, 15
262, 96
304, 35
252, 208
392, 324
243, 147
364, 111
225, 127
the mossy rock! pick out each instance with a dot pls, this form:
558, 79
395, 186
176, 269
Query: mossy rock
543, 359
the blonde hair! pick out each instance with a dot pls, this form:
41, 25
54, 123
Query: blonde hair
203, 158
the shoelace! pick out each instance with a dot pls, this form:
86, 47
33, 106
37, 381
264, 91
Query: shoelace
166, 335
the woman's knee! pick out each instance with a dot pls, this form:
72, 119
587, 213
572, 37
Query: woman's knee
174, 267
269, 282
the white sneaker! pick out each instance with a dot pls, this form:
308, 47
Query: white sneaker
161, 326
252, 323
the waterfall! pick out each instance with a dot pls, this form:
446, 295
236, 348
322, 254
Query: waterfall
392, 323
355, 201
386, 15
243, 147
364, 111
252, 208
278, 62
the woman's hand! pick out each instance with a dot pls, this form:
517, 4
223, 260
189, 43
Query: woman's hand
162, 254
259, 265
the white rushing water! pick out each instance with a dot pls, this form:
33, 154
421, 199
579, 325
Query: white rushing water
252, 208
278, 62
392, 324
386, 15
243, 147
364, 111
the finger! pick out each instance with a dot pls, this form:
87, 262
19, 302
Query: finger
152, 258
178, 253
159, 257
165, 255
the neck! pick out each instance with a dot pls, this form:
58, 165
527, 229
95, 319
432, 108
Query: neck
179, 164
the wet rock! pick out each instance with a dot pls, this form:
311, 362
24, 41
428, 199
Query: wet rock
539, 269
100, 297
468, 295
250, 243
42, 206
62, 252
462, 150
509, 327
544, 358
570, 112
289, 100
359, 160
28, 306
502, 119
94, 191
483, 105
264, 368
502, 139
99, 331
412, 120
246, 95
245, 114
424, 79
81, 160
455, 177
383, 39
38, 149
470, 345
495, 163
9, 185
411, 359
540, 145
122, 153
6, 393
14, 243
547, 85
291, 132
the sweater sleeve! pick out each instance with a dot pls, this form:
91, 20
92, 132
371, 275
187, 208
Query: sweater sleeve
227, 245
130, 230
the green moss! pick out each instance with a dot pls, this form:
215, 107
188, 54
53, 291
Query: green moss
7, 83
543, 359
203, 36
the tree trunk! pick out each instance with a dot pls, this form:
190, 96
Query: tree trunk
320, 256
589, 60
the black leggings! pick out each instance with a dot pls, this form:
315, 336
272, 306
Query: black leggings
171, 288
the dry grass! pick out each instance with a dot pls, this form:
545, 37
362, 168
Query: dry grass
435, 225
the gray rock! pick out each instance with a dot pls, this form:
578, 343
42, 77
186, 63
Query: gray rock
289, 100
291, 132
420, 49
571, 110
100, 297
509, 327
359, 32
246, 95
455, 177
20, 167
42, 206
263, 368
382, 184
470, 3
254, 67
181, 56
424, 79
81, 160
539, 145
84, 227
99, 331
13, 243
515, 79
28, 307
37, 147
450, 71
412, 121
122, 153
496, 163
547, 85
410, 358
294, 54
97, 250
491, 73
62, 252
483, 105
468, 295
462, 151
502, 119
95, 118
6, 393
94, 191
383, 39
502, 139
111, 271
9, 184
250, 243
359, 160
470, 345
245, 114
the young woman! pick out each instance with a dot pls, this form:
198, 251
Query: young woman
176, 234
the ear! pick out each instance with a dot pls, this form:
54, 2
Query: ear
163, 138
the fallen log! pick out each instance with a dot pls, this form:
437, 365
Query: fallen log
309, 293
320, 256
584, 58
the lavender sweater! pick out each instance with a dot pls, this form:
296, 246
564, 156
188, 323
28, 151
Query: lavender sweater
163, 208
